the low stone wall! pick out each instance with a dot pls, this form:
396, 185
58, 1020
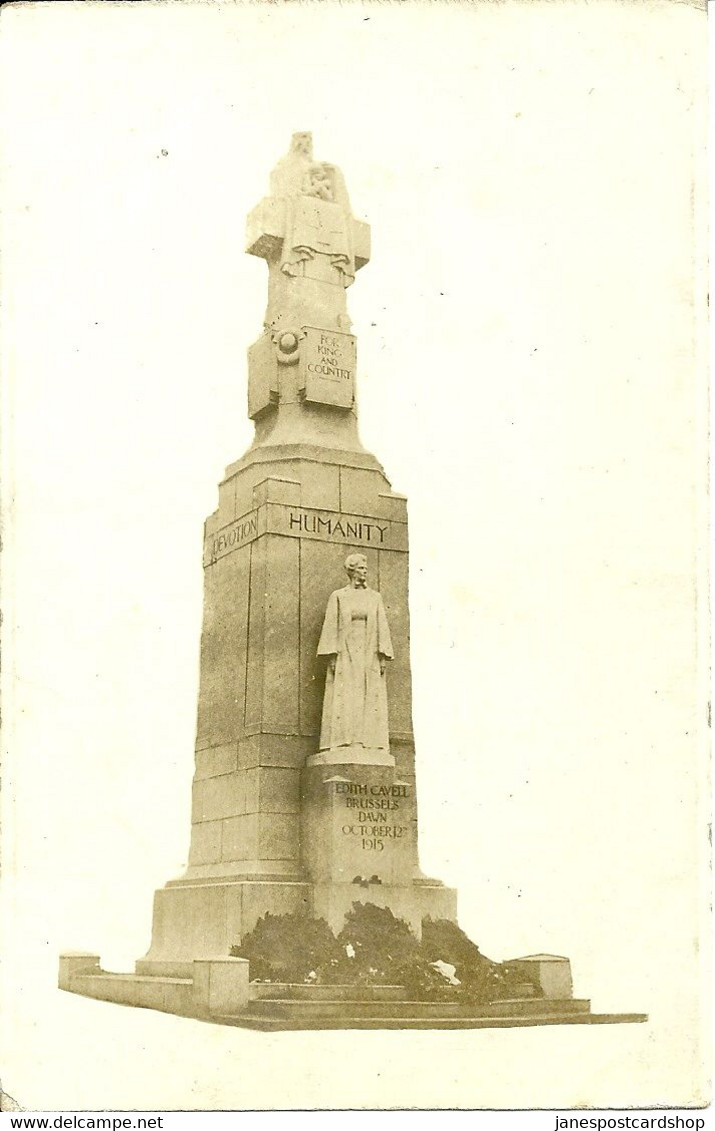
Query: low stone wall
216, 986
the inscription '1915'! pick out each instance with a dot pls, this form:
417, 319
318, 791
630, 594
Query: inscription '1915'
374, 810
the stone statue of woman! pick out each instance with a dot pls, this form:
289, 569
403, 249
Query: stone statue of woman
356, 640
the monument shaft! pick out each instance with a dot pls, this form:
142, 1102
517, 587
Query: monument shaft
271, 830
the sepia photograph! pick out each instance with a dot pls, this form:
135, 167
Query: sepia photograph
356, 629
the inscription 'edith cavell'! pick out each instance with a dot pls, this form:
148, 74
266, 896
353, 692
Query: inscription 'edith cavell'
373, 813
299, 522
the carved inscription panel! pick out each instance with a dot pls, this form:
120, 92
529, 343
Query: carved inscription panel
374, 816
359, 824
305, 522
327, 367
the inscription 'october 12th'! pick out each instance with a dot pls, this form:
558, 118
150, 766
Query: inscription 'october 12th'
374, 827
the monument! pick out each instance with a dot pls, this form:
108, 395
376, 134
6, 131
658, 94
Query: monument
304, 793
271, 830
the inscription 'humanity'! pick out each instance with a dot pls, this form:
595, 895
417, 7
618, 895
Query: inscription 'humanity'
356, 529
299, 522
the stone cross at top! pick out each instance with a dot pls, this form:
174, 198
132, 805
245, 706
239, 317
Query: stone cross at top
307, 234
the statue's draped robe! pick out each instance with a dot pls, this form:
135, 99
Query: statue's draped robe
313, 226
355, 704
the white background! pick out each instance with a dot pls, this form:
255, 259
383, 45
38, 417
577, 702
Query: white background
531, 359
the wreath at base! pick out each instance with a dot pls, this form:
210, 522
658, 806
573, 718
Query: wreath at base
375, 948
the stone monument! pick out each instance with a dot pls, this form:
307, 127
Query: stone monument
301, 784
304, 795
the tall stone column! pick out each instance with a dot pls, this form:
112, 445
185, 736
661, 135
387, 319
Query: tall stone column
268, 817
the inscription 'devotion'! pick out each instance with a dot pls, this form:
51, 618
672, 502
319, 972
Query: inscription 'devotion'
282, 518
242, 531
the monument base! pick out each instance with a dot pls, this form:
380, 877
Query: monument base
359, 842
218, 989
197, 919
411, 902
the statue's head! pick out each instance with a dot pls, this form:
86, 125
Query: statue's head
301, 145
356, 568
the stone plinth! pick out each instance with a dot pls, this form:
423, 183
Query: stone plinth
75, 962
551, 972
204, 918
412, 902
220, 985
359, 844
358, 824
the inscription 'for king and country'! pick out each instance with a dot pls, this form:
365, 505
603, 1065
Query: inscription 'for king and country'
358, 530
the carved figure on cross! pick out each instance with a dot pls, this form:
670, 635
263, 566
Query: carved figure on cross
306, 232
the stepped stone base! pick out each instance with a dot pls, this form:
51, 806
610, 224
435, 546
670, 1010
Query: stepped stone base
205, 917
218, 990
434, 1021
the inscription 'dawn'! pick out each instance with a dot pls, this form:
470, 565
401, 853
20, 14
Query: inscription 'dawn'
373, 823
